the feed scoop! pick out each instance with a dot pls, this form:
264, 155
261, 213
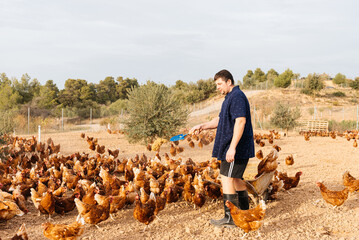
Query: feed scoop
178, 137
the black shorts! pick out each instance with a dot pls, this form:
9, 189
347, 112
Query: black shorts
233, 169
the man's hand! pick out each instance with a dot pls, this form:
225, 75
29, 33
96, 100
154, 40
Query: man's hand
230, 154
196, 129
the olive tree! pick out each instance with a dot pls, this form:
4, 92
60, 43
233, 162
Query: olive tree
153, 112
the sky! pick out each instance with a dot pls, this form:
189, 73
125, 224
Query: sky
165, 41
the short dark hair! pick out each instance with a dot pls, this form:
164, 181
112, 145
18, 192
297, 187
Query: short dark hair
225, 75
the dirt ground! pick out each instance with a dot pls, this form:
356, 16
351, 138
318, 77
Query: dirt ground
299, 213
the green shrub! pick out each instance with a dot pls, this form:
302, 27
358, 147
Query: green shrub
307, 91
339, 79
338, 94
284, 117
355, 84
284, 79
7, 123
342, 126
153, 112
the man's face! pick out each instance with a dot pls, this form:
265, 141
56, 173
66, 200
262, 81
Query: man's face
222, 86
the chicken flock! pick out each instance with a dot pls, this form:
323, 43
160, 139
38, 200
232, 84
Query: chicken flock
348, 135
99, 184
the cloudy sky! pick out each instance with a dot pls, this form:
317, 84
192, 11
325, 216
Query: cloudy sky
164, 40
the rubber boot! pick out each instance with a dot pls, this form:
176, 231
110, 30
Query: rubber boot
227, 221
243, 200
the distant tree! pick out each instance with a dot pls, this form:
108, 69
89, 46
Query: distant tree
339, 78
259, 75
4, 79
208, 87
70, 96
271, 75
26, 88
284, 79
313, 83
180, 85
124, 85
284, 117
153, 112
355, 84
9, 97
248, 79
48, 95
107, 91
88, 93
35, 87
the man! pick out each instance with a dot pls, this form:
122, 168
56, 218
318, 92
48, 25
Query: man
233, 145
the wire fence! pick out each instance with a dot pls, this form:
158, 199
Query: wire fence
28, 124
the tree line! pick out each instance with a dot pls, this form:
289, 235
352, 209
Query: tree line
313, 82
107, 97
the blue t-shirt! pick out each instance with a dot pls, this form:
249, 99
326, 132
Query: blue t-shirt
235, 105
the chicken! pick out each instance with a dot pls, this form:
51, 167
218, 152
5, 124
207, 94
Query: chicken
89, 197
160, 202
19, 199
47, 204
155, 186
63, 231
336, 198
290, 182
149, 147
117, 203
94, 214
100, 149
36, 198
172, 193
65, 204
173, 150
179, 149
9, 209
259, 155
351, 182
82, 135
213, 191
113, 153
306, 137
188, 189
276, 147
269, 163
355, 144
144, 213
92, 146
248, 220
289, 160
21, 234
199, 197
274, 187
140, 180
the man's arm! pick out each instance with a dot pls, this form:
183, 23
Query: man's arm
207, 125
237, 134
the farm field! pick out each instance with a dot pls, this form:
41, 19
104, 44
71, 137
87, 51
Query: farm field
296, 214
299, 213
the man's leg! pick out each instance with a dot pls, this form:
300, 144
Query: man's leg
229, 194
241, 190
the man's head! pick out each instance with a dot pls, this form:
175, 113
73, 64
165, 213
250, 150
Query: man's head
224, 81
